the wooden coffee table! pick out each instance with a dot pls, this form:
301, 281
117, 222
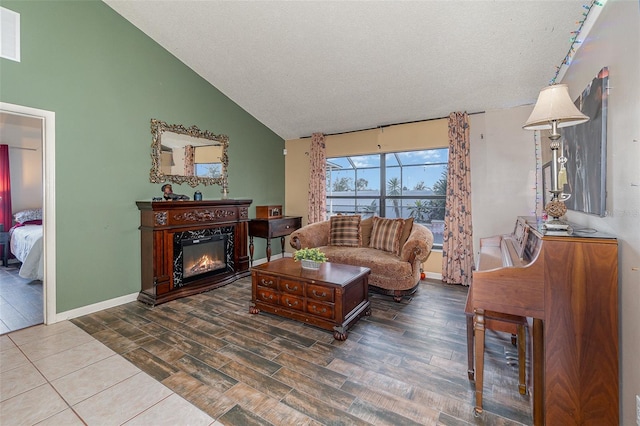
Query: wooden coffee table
332, 298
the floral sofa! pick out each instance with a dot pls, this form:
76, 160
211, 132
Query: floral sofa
393, 249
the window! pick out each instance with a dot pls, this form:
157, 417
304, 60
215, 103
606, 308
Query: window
212, 170
400, 184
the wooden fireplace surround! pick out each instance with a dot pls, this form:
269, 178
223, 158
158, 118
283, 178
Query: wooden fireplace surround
160, 221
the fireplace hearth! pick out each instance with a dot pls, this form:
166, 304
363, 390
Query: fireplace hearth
188, 247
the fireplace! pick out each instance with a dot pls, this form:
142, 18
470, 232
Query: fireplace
203, 256
188, 247
202, 253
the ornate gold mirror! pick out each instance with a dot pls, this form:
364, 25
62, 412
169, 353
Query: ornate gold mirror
187, 154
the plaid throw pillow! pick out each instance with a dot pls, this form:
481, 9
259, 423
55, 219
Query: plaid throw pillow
386, 234
344, 231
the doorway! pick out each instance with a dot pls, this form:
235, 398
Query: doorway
39, 128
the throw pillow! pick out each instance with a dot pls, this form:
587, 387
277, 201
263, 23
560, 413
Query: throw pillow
406, 230
386, 234
344, 231
27, 215
366, 225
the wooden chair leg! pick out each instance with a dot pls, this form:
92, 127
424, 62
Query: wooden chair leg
478, 328
522, 360
470, 346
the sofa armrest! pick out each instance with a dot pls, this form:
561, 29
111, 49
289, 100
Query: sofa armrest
418, 245
309, 236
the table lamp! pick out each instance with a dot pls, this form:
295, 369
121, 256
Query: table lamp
554, 110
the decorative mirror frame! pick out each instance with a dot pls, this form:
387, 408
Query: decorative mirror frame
158, 127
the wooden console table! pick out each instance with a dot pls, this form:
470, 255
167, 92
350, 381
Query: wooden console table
272, 228
332, 298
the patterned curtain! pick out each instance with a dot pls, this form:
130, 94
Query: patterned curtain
5, 189
317, 179
457, 247
189, 160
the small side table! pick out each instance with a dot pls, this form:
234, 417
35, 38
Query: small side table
4, 241
272, 228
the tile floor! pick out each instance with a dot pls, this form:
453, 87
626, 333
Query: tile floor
205, 359
20, 300
60, 375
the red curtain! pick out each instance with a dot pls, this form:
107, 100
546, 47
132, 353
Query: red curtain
5, 188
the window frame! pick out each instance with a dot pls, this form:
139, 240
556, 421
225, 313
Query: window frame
383, 198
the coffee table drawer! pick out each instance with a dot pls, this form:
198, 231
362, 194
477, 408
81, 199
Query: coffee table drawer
322, 294
265, 295
324, 310
291, 287
266, 281
292, 302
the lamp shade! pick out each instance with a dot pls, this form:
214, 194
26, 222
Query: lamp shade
554, 104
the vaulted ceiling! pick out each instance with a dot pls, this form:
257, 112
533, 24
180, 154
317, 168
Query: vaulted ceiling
335, 66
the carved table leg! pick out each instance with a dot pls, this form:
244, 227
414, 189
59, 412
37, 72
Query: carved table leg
340, 333
340, 336
268, 249
478, 328
282, 245
251, 249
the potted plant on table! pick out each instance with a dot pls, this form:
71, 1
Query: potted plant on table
310, 258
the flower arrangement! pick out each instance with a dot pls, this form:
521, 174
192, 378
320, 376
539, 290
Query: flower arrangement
310, 254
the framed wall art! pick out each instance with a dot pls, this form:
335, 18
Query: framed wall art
585, 147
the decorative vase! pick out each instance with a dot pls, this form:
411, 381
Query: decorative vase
310, 264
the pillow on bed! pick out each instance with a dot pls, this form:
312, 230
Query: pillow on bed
29, 222
24, 216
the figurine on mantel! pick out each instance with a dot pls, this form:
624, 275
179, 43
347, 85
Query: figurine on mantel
168, 194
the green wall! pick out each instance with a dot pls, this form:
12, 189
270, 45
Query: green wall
105, 80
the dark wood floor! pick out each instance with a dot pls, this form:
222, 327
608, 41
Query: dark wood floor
405, 364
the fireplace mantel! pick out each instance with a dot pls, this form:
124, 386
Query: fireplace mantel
161, 225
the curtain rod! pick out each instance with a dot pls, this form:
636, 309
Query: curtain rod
389, 125
21, 147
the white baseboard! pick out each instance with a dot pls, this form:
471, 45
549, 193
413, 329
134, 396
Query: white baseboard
89, 309
274, 257
100, 306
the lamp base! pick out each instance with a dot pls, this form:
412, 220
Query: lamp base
556, 209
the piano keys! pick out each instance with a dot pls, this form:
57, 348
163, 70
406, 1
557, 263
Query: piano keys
567, 285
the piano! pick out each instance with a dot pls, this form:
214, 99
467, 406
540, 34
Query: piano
566, 285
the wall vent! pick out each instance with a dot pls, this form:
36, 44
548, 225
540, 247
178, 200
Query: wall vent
9, 34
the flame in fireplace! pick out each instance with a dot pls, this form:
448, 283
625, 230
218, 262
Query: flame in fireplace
203, 265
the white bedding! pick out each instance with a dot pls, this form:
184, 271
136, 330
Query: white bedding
26, 246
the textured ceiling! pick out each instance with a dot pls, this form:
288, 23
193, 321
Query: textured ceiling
335, 66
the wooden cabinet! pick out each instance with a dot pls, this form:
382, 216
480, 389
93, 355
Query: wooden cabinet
163, 223
333, 297
272, 228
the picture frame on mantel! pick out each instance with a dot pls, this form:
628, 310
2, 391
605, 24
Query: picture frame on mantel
585, 147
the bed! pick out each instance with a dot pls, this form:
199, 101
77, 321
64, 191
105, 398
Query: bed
26, 243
